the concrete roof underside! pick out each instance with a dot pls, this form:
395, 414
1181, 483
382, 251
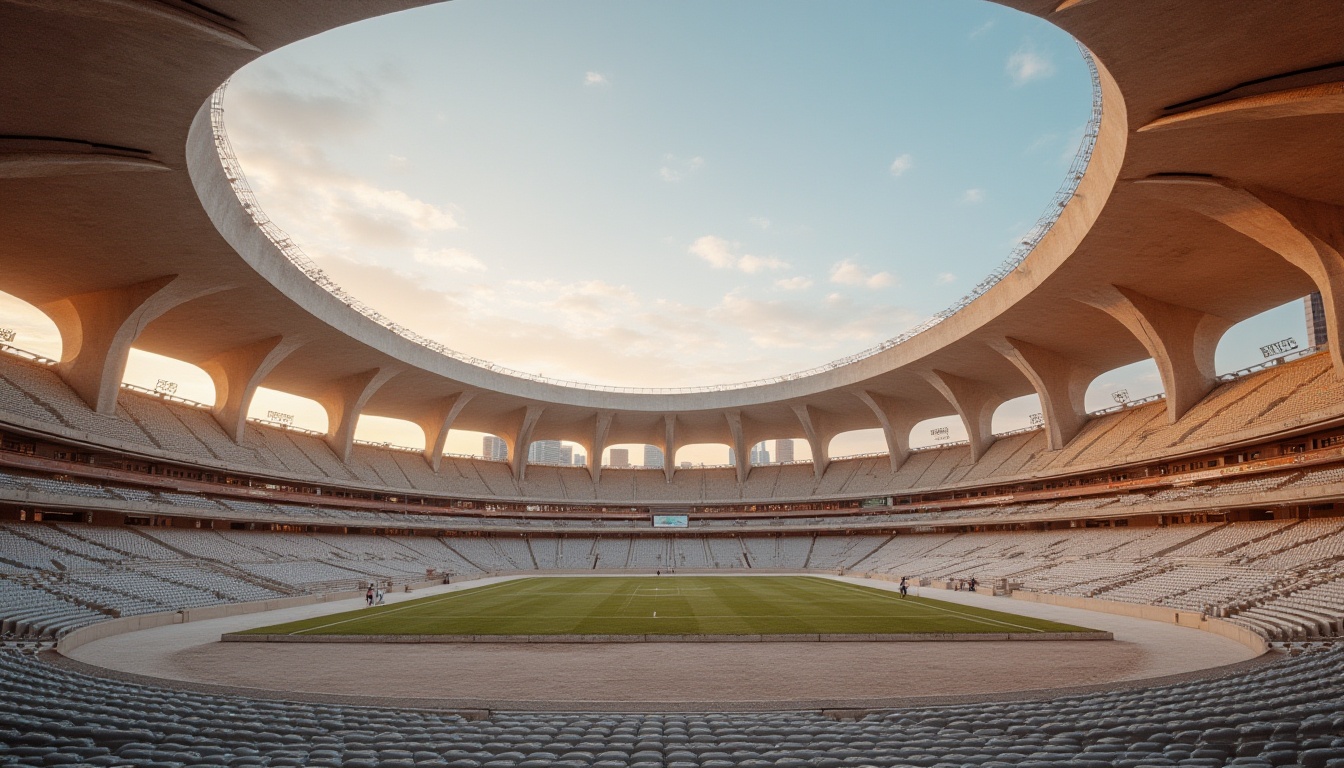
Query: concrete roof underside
1213, 194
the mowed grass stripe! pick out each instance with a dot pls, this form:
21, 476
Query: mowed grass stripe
719, 605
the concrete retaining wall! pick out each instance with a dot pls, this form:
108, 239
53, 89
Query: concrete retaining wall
1191, 619
102, 629
921, 637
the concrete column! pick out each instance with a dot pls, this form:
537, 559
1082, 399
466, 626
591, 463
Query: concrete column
601, 427
817, 439
974, 402
1060, 383
669, 446
98, 328
1180, 340
237, 373
344, 400
896, 423
741, 449
521, 438
1307, 234
437, 423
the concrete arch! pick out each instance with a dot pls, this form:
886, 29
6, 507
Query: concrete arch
1018, 413
283, 407
855, 441
922, 433
1240, 347
1136, 381
33, 331
696, 454
383, 429
179, 378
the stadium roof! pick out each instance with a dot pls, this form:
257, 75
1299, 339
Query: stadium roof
1212, 195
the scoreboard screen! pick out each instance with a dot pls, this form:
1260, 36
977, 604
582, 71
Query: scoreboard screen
670, 521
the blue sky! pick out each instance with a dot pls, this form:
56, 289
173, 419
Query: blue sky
665, 193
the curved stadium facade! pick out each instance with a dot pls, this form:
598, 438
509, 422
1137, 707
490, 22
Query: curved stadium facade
1212, 192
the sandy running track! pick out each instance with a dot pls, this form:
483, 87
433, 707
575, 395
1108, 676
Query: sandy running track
641, 676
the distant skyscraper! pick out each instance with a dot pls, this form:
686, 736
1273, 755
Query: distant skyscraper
685, 465
567, 455
1315, 309
783, 451
620, 457
759, 455
494, 448
579, 459
653, 457
549, 452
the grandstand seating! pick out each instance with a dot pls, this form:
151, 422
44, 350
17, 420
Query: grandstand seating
1290, 712
1200, 567
32, 391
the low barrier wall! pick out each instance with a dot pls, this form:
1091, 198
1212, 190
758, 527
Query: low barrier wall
1191, 619
913, 637
76, 638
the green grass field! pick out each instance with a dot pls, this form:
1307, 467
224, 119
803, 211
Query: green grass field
667, 605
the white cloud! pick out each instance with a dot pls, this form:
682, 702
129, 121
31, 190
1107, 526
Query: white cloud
454, 259
945, 277
1025, 65
901, 164
973, 195
846, 272
760, 222
714, 250
720, 255
798, 283
591, 79
676, 168
981, 30
753, 264
800, 323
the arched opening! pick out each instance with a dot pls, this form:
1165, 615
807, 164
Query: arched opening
623, 455
555, 453
281, 408
937, 431
397, 433
1019, 413
1127, 383
168, 376
854, 443
469, 443
25, 327
1266, 336
703, 455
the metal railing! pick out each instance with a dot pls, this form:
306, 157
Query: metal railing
286, 245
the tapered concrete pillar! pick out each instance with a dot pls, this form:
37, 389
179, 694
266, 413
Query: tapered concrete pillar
669, 446
1180, 340
1306, 233
896, 421
817, 439
237, 373
519, 439
601, 427
974, 402
98, 328
343, 402
741, 452
437, 423
1059, 382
